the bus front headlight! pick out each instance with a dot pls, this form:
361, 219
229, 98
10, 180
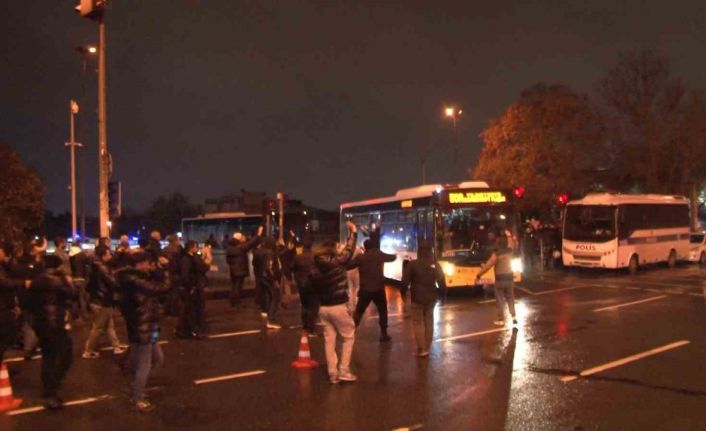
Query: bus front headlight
449, 268
516, 264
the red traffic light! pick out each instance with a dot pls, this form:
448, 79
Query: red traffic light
562, 198
519, 192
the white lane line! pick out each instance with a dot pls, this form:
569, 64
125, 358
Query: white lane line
626, 360
388, 315
487, 301
235, 334
548, 292
21, 358
66, 404
472, 334
627, 304
229, 377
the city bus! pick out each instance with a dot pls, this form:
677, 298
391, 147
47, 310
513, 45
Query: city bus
609, 230
460, 221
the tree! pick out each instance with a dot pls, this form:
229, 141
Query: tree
549, 141
21, 196
165, 213
655, 125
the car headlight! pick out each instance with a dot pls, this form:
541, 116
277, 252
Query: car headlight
449, 268
516, 264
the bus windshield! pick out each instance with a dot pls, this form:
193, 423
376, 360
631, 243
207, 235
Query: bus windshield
593, 223
471, 232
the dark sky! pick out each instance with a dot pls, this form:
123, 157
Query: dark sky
329, 101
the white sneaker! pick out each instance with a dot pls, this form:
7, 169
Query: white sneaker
120, 350
91, 355
263, 314
499, 323
271, 325
347, 376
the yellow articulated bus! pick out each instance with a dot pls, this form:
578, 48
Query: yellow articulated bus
461, 221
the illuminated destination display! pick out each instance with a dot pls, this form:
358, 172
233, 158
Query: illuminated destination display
407, 204
477, 197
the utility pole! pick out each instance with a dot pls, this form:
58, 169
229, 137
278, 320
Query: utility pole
102, 136
72, 144
280, 207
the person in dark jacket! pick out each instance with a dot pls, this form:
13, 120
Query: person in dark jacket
237, 258
427, 284
10, 290
329, 281
141, 287
302, 268
103, 290
80, 262
192, 322
154, 246
268, 273
372, 283
26, 264
174, 253
49, 295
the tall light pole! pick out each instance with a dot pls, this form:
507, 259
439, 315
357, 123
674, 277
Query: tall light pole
85, 51
72, 144
95, 10
452, 113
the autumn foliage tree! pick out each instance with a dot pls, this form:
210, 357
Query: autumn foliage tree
21, 196
549, 141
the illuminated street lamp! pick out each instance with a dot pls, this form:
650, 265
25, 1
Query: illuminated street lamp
452, 113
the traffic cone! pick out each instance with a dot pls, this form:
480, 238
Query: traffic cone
304, 360
7, 401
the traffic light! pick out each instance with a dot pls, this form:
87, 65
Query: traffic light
519, 191
562, 199
92, 9
115, 199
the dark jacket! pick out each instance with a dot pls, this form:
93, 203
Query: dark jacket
237, 256
424, 275
154, 248
328, 276
193, 272
174, 253
48, 296
79, 265
370, 267
9, 289
302, 268
140, 303
102, 286
266, 266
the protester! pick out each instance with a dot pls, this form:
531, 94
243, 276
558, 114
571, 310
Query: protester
60, 250
26, 264
192, 322
268, 273
302, 268
329, 282
370, 265
501, 260
141, 287
80, 263
353, 277
49, 294
103, 292
237, 258
10, 289
174, 253
427, 284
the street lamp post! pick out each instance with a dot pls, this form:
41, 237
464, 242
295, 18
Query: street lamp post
72, 144
452, 113
85, 51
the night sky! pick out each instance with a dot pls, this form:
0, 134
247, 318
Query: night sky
329, 101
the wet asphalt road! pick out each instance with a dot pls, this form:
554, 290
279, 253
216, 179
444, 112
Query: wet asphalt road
488, 379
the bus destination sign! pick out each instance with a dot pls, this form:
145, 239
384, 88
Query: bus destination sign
476, 197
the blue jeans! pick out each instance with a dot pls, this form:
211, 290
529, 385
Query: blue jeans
142, 358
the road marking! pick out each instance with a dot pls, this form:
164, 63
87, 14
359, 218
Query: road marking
472, 334
229, 377
626, 360
487, 301
627, 304
67, 404
547, 292
389, 315
21, 358
235, 334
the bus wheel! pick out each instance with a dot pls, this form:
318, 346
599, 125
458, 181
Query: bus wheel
633, 266
702, 258
672, 259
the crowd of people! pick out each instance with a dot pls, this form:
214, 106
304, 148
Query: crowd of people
42, 294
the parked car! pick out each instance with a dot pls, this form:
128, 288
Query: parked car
697, 250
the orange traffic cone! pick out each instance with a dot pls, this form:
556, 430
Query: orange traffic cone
304, 360
7, 401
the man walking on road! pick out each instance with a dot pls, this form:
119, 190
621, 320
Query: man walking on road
370, 265
103, 290
192, 322
141, 288
237, 259
424, 274
268, 273
10, 289
303, 266
329, 282
49, 294
501, 259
